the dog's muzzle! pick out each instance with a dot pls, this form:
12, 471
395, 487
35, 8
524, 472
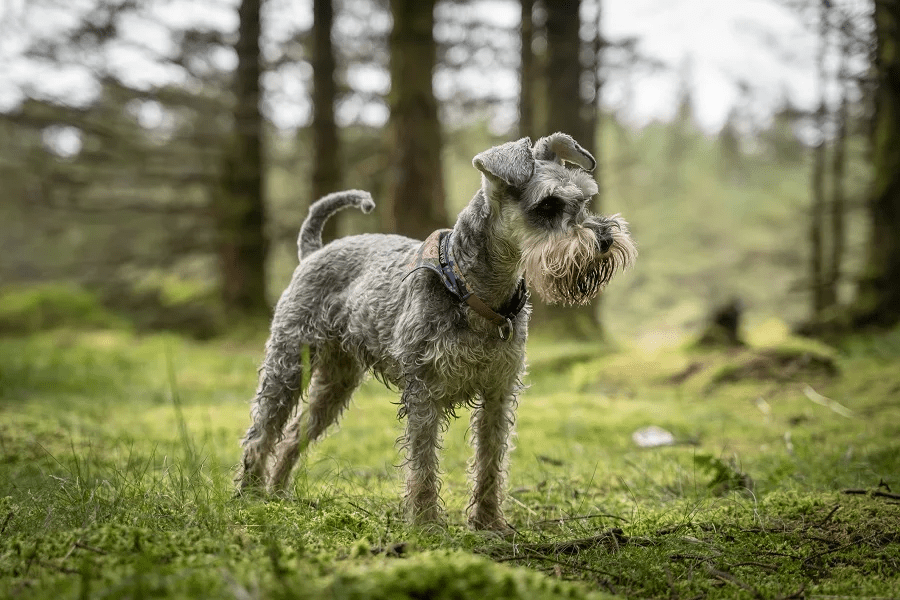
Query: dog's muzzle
573, 267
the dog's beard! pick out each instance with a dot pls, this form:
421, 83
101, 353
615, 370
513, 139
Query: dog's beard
568, 269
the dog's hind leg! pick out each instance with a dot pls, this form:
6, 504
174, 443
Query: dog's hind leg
335, 375
276, 396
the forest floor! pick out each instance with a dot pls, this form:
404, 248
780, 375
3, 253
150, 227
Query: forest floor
117, 453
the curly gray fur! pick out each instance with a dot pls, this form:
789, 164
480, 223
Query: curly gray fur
310, 238
358, 308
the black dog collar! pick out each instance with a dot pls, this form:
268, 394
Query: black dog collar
435, 254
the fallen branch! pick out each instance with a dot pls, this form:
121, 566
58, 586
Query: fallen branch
880, 494
581, 517
829, 515
728, 577
837, 548
611, 537
873, 493
89, 548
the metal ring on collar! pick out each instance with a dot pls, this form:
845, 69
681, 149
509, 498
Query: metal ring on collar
506, 329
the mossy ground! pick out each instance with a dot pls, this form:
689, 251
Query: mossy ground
117, 454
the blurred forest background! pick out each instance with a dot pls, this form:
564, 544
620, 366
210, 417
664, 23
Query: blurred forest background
158, 156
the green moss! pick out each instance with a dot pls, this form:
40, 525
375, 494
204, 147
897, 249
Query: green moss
25, 310
100, 494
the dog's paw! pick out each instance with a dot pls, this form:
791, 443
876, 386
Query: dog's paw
250, 487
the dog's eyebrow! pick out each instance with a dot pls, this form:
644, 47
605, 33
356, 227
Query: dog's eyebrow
567, 193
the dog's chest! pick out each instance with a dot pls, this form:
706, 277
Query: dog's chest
459, 370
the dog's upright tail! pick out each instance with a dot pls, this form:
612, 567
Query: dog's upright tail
310, 238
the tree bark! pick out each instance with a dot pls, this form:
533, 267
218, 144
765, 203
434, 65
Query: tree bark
416, 179
239, 206
567, 110
838, 200
570, 113
326, 176
878, 299
817, 183
526, 71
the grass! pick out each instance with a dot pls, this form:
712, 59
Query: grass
117, 454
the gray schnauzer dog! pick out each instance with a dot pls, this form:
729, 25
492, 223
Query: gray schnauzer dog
444, 320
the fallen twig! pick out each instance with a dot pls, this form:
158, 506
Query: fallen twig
728, 577
89, 548
874, 493
829, 515
580, 517
360, 508
612, 537
841, 547
880, 494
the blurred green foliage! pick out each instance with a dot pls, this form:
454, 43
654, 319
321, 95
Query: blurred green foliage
715, 217
29, 309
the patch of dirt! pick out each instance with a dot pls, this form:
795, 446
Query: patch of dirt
778, 364
685, 374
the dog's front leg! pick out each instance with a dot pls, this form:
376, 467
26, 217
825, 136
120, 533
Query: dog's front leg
421, 441
492, 425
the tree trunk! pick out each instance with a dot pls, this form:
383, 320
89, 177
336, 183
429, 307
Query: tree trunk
567, 111
878, 300
416, 180
570, 113
239, 206
838, 169
326, 176
817, 222
526, 71
817, 183
595, 111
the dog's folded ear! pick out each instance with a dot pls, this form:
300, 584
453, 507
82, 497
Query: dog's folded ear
560, 147
512, 163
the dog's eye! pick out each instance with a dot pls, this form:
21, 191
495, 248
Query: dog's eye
549, 208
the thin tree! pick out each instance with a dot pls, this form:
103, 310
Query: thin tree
567, 111
239, 206
326, 175
526, 71
878, 298
817, 182
838, 169
416, 179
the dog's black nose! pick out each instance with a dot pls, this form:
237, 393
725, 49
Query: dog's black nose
604, 243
